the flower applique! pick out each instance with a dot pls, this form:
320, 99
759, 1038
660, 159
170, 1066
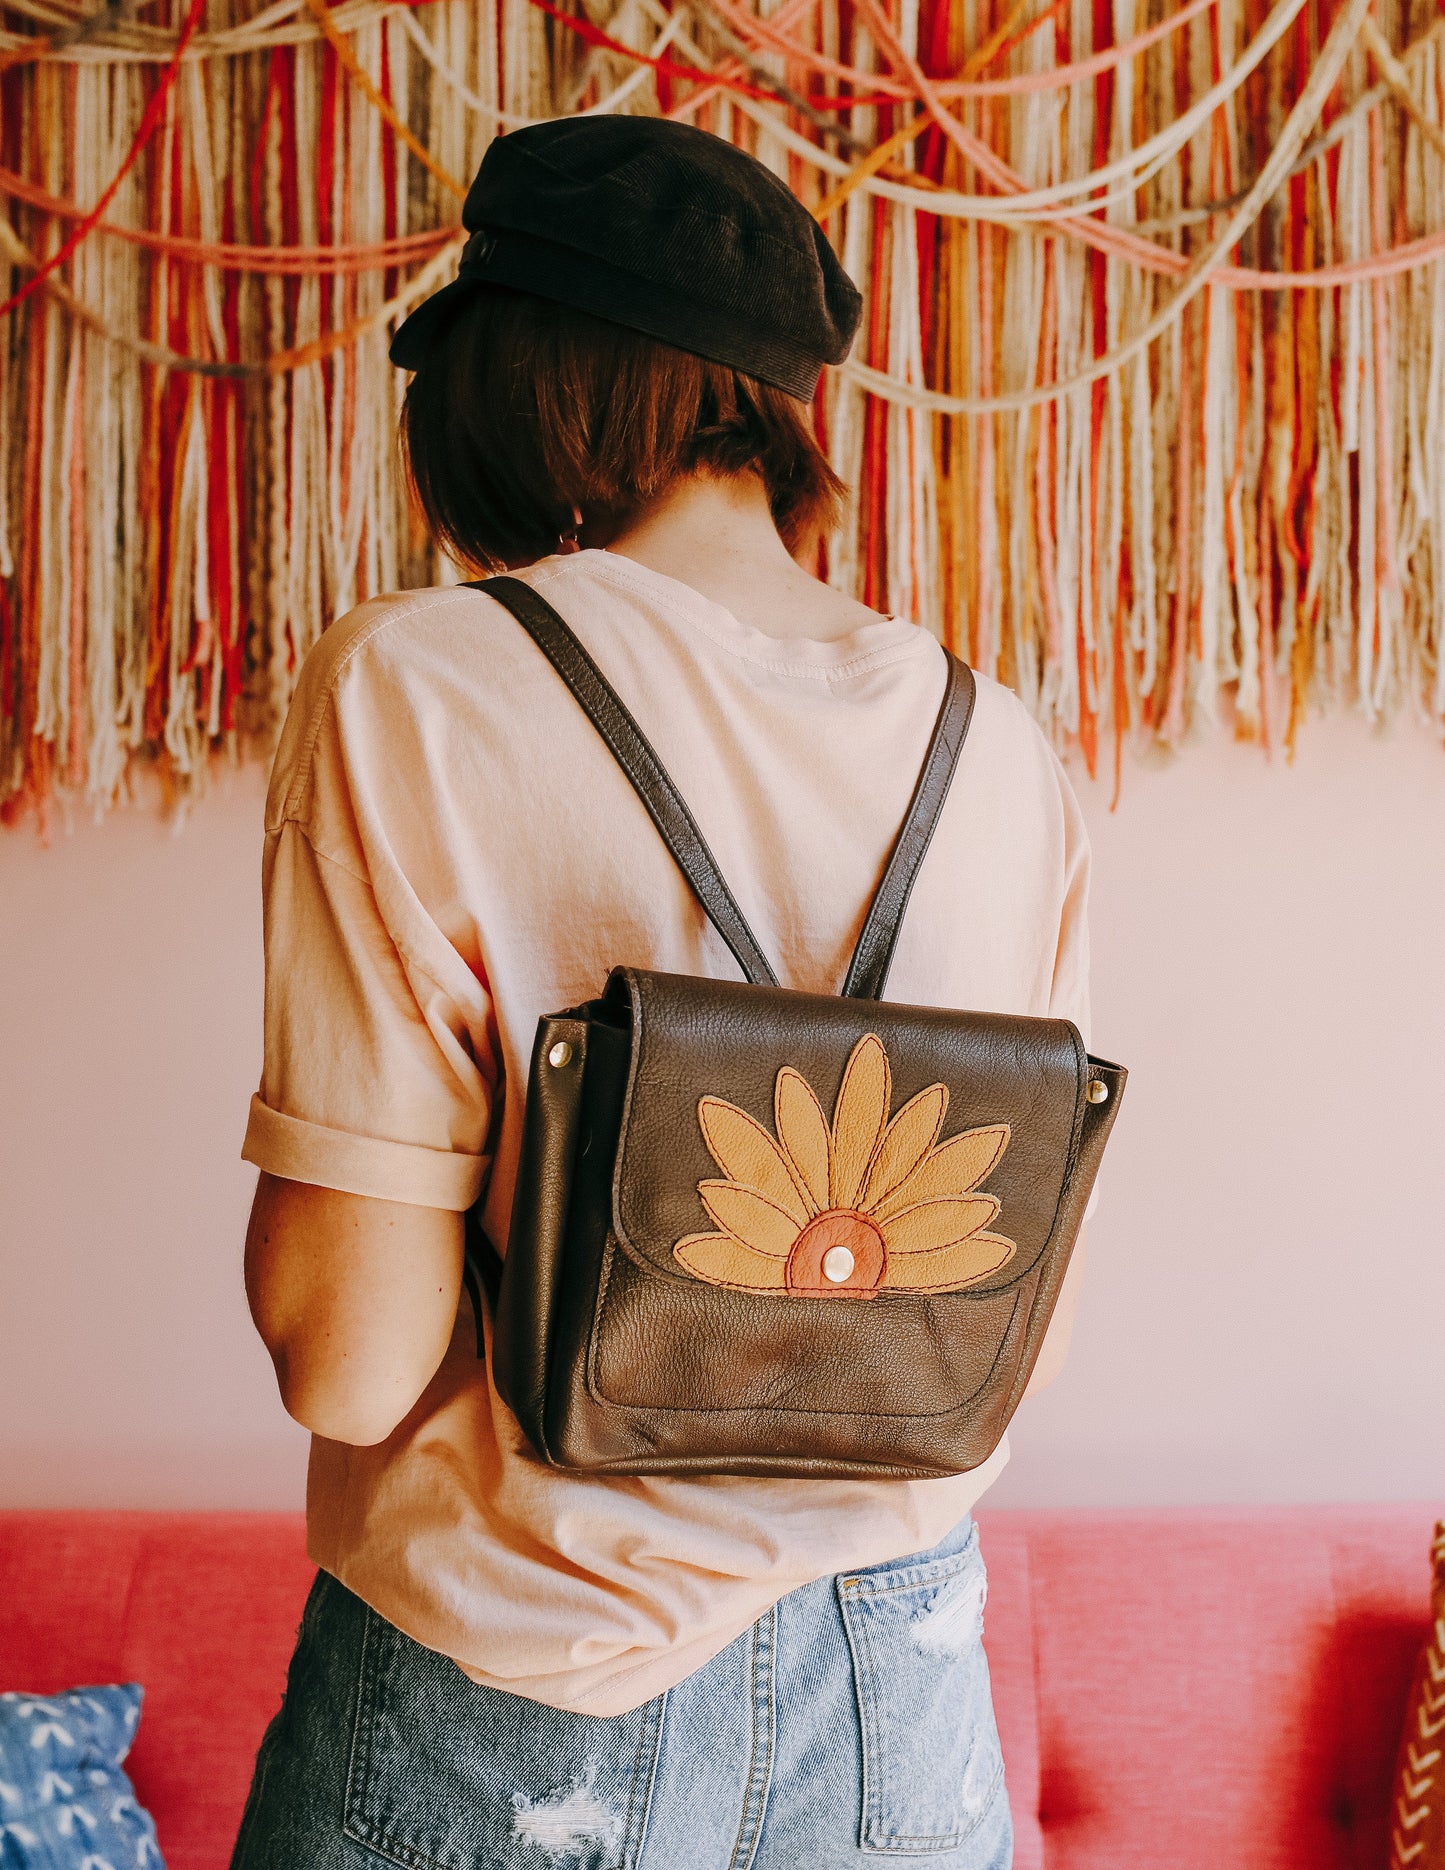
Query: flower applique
846, 1211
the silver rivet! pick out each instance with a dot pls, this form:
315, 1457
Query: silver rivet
837, 1265
560, 1055
1098, 1091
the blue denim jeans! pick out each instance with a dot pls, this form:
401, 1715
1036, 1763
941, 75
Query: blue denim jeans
850, 1726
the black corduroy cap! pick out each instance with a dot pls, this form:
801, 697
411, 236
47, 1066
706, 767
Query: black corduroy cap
663, 228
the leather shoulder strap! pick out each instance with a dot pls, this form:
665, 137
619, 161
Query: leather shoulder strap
633, 752
872, 958
599, 701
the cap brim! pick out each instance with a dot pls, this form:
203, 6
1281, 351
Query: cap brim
568, 276
416, 333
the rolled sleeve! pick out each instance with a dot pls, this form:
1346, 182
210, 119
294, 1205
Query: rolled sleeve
378, 1076
360, 1165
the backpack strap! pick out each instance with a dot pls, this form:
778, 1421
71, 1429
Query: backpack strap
629, 746
633, 752
872, 958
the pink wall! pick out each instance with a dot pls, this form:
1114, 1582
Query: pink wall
1265, 1309
130, 1043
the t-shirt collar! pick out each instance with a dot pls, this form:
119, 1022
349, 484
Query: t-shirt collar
873, 642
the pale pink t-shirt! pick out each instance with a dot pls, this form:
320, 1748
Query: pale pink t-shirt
451, 853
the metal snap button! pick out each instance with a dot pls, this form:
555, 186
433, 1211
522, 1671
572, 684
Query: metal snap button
560, 1055
1098, 1091
838, 1265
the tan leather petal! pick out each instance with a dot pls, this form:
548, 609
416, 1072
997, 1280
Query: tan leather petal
954, 1168
803, 1132
745, 1153
750, 1218
948, 1269
858, 1118
723, 1261
906, 1142
933, 1224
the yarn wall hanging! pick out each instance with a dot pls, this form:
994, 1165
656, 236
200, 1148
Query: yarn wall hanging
1144, 416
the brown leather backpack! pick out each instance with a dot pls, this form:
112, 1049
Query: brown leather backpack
765, 1232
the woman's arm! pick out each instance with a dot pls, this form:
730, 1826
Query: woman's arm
1055, 1351
355, 1300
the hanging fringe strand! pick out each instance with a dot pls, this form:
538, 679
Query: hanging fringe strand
1143, 416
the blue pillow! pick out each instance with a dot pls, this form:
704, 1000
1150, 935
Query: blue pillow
65, 1802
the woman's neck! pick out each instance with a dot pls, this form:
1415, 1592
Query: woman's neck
717, 535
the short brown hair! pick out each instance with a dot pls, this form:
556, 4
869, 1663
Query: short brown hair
525, 410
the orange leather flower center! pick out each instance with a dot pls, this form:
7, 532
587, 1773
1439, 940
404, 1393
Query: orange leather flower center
838, 1255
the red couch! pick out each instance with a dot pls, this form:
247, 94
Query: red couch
1219, 1690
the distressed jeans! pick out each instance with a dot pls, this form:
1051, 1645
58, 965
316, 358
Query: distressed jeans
850, 1726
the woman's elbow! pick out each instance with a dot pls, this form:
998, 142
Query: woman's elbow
1060, 1334
354, 1300
336, 1381
339, 1405
1049, 1367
